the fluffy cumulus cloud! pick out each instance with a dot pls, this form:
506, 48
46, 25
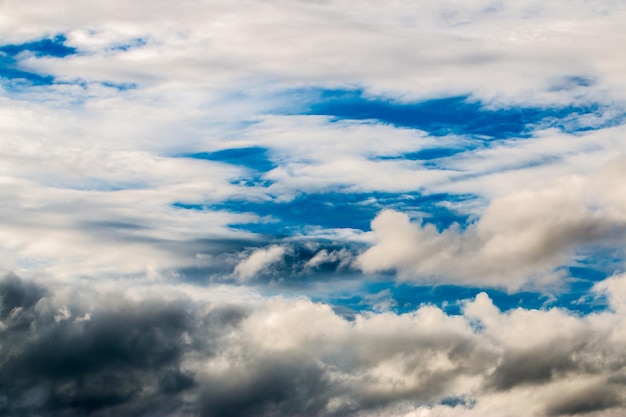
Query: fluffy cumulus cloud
165, 353
521, 235
283, 207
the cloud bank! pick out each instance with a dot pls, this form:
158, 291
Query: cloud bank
163, 354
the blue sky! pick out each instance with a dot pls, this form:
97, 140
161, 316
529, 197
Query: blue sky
280, 208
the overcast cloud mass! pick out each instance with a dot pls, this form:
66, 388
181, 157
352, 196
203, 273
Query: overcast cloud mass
287, 208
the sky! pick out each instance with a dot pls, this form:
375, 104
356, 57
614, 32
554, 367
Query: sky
289, 208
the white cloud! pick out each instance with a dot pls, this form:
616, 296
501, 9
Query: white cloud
520, 236
258, 262
406, 49
342, 256
615, 289
207, 73
531, 163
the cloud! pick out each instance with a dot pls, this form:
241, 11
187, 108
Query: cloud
342, 256
408, 50
614, 288
146, 247
120, 360
258, 261
112, 158
161, 352
520, 237
530, 163
277, 385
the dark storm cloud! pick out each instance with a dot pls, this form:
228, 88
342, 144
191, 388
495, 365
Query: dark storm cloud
284, 385
532, 367
124, 359
596, 398
17, 295
127, 361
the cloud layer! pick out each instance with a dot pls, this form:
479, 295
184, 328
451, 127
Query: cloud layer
163, 354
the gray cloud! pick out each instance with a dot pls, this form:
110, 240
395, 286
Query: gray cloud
537, 367
153, 352
122, 360
594, 398
273, 385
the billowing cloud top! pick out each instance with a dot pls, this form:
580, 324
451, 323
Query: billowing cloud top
281, 208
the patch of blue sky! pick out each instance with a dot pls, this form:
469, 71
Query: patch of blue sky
268, 227
444, 116
16, 78
337, 210
598, 261
119, 86
431, 157
458, 401
130, 44
255, 158
571, 82
50, 47
592, 266
327, 211
428, 154
586, 273
94, 184
404, 298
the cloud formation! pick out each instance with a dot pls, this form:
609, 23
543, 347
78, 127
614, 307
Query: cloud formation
258, 261
521, 236
162, 354
411, 50
187, 192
